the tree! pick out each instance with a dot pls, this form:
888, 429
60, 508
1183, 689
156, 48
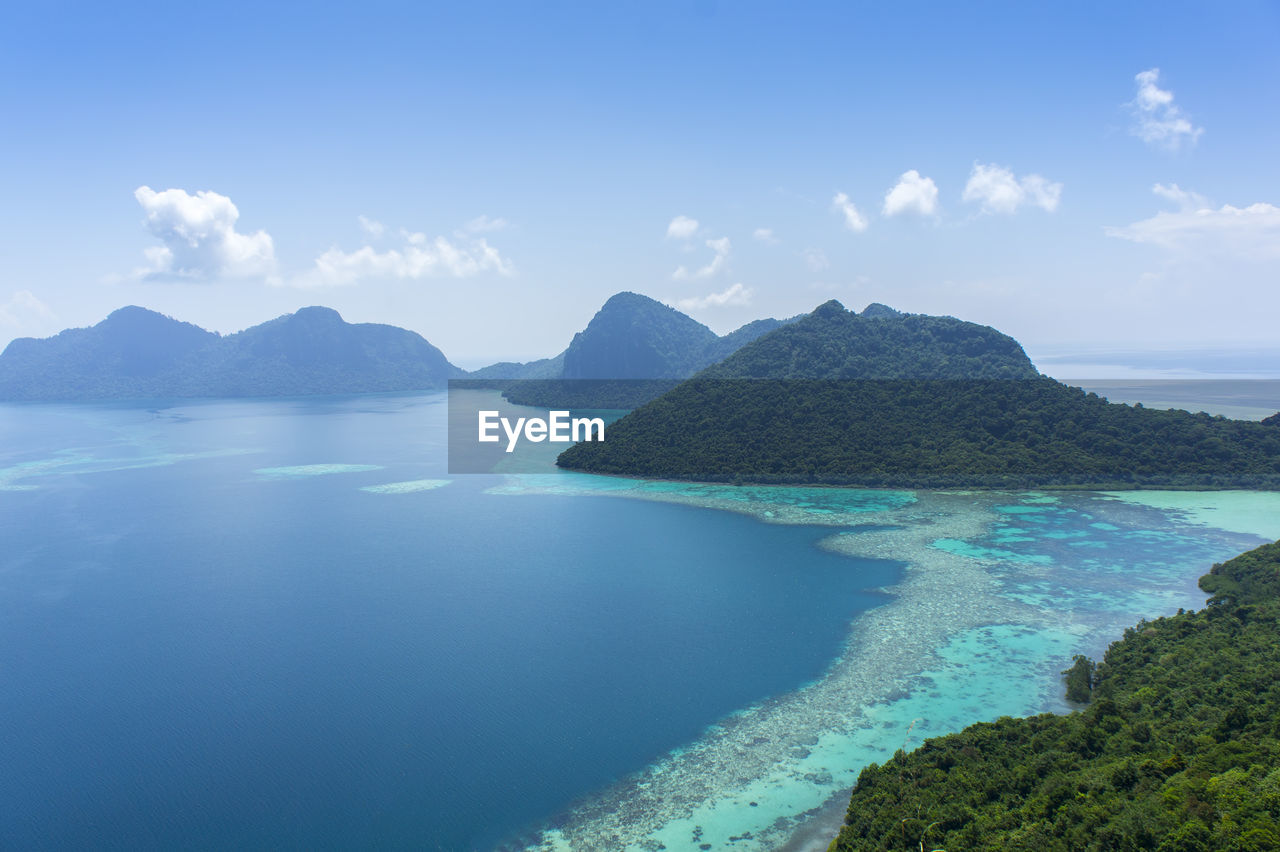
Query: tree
1080, 679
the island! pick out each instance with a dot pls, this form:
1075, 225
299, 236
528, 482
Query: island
884, 399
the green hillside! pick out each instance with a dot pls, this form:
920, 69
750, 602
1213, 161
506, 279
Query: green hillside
1178, 751
833, 343
904, 400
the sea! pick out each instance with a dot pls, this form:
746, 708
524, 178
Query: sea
284, 624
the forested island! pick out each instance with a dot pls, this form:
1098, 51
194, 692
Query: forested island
916, 401
1177, 750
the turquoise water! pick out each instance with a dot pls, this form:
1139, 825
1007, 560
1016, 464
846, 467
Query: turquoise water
997, 596
283, 623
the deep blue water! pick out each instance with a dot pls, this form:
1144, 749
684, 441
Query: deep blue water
193, 654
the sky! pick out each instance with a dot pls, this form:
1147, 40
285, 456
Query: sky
1083, 176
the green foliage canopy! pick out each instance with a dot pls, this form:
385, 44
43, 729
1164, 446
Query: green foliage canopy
1178, 751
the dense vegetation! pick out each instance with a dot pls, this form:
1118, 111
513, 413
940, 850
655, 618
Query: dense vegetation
916, 401
926, 433
833, 343
136, 353
1179, 749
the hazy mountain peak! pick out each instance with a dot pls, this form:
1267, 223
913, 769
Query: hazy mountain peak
131, 311
627, 298
877, 310
634, 337
132, 319
831, 308
318, 313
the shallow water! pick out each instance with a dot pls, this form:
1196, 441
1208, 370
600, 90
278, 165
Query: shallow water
1000, 591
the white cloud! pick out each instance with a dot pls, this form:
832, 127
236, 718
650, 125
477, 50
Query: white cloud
853, 220
764, 235
1157, 120
721, 249
912, 194
24, 312
1042, 193
372, 228
1001, 191
1250, 233
1185, 199
420, 257
199, 238
815, 259
735, 294
682, 228
484, 224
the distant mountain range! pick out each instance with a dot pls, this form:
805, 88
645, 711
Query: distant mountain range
136, 353
888, 399
635, 337
633, 350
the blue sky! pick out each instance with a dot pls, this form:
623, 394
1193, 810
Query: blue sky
488, 174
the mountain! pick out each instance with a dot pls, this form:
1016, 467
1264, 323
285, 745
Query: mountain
137, 353
632, 349
133, 352
543, 368
315, 351
1176, 751
904, 400
875, 310
635, 337
880, 343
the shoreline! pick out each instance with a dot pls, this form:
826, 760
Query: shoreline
790, 750
823, 824
942, 641
1100, 487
